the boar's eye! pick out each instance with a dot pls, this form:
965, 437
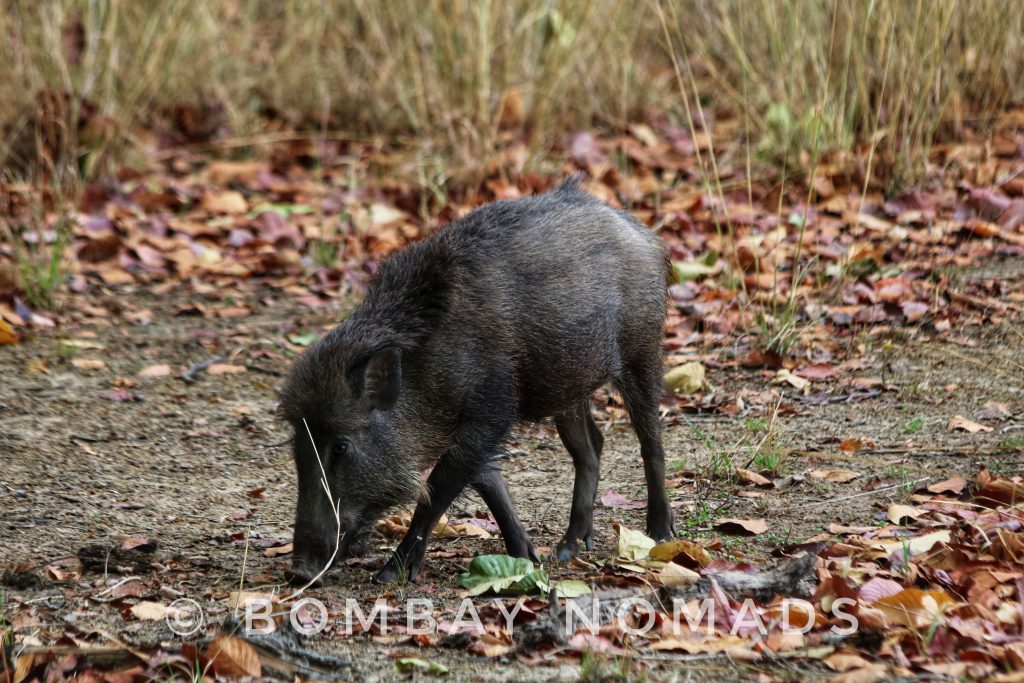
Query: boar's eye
341, 448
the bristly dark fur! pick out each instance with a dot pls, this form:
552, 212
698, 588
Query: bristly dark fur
520, 310
417, 281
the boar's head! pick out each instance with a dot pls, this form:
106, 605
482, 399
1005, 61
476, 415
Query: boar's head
349, 400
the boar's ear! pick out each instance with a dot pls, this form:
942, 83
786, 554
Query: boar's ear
383, 378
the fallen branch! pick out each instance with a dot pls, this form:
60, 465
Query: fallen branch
792, 577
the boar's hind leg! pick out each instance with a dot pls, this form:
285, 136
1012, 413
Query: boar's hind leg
491, 487
583, 440
457, 468
641, 392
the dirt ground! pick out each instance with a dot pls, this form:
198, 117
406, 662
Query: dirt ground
196, 466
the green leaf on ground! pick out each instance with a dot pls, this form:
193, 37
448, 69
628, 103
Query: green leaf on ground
503, 575
408, 665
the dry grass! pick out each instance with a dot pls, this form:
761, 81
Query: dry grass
447, 75
817, 74
84, 77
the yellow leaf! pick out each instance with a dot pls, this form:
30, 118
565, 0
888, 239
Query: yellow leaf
917, 545
668, 550
686, 379
634, 546
677, 575
914, 607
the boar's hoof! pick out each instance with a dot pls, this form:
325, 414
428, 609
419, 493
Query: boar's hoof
522, 548
663, 530
570, 547
391, 573
532, 554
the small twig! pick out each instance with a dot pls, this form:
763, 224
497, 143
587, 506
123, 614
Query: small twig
245, 558
191, 375
117, 585
832, 501
93, 439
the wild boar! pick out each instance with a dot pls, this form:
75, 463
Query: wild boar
518, 311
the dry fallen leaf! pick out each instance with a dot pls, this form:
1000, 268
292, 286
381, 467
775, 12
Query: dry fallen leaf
743, 527
845, 660
685, 553
490, 645
787, 377
897, 513
224, 172
993, 410
233, 657
673, 574
161, 370
751, 477
279, 550
686, 379
995, 492
634, 546
88, 363
954, 485
152, 611
835, 476
916, 545
851, 445
959, 422
914, 607
449, 530
7, 334
225, 369
228, 201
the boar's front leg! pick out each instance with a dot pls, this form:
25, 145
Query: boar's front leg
457, 468
491, 487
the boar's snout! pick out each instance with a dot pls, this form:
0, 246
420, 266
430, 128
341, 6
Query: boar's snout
302, 573
311, 553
